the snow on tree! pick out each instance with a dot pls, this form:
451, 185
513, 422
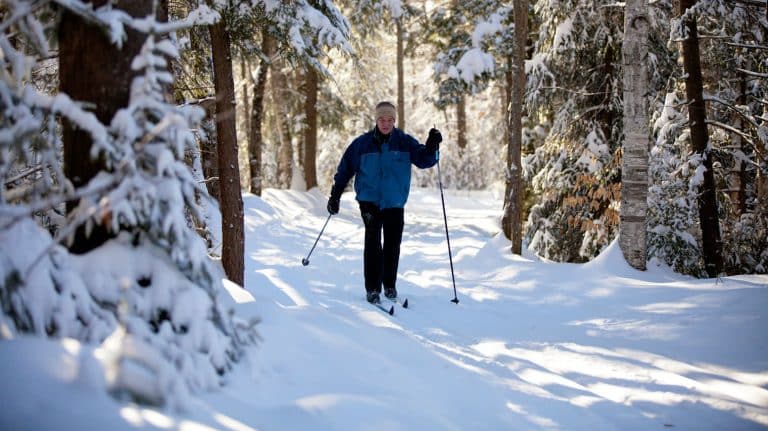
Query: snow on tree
735, 32
674, 178
472, 41
150, 296
574, 91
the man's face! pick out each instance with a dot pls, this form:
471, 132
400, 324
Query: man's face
385, 124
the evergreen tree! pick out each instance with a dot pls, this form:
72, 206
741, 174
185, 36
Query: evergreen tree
699, 135
365, 77
94, 70
575, 92
733, 78
302, 33
738, 135
474, 41
332, 32
150, 295
672, 208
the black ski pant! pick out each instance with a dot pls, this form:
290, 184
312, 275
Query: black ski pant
380, 261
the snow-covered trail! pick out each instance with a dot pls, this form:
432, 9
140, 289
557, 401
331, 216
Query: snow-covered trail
532, 345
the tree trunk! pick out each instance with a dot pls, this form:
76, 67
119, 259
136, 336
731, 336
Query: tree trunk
513, 197
634, 172
95, 71
461, 124
255, 143
209, 157
739, 174
246, 78
231, 199
461, 141
310, 130
400, 76
761, 179
209, 161
697, 117
280, 94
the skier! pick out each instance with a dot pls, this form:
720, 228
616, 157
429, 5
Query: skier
380, 160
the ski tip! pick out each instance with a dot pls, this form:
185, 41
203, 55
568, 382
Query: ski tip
391, 310
405, 303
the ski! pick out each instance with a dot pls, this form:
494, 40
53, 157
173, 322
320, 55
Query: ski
390, 311
403, 304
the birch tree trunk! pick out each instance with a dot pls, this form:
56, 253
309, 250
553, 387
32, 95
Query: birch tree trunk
697, 120
230, 199
513, 197
634, 171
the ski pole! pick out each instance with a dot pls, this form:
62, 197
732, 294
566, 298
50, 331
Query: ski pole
305, 261
455, 299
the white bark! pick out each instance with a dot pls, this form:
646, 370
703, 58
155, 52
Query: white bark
632, 229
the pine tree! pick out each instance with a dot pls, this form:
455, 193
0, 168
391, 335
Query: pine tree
697, 118
150, 294
733, 32
473, 41
575, 94
94, 70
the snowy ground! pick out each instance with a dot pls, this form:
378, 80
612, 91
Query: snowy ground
532, 345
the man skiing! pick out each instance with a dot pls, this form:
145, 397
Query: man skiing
380, 160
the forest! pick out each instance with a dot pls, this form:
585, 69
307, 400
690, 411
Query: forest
130, 130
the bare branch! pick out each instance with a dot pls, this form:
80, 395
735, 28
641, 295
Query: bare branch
752, 73
745, 45
758, 3
23, 174
733, 109
747, 137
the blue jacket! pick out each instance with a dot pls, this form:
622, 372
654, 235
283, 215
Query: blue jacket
382, 167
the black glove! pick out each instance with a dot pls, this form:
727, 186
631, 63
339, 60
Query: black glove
433, 140
333, 205
333, 201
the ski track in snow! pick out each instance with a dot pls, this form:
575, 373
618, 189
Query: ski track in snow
532, 345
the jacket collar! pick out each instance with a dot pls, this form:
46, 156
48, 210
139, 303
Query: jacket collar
381, 139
